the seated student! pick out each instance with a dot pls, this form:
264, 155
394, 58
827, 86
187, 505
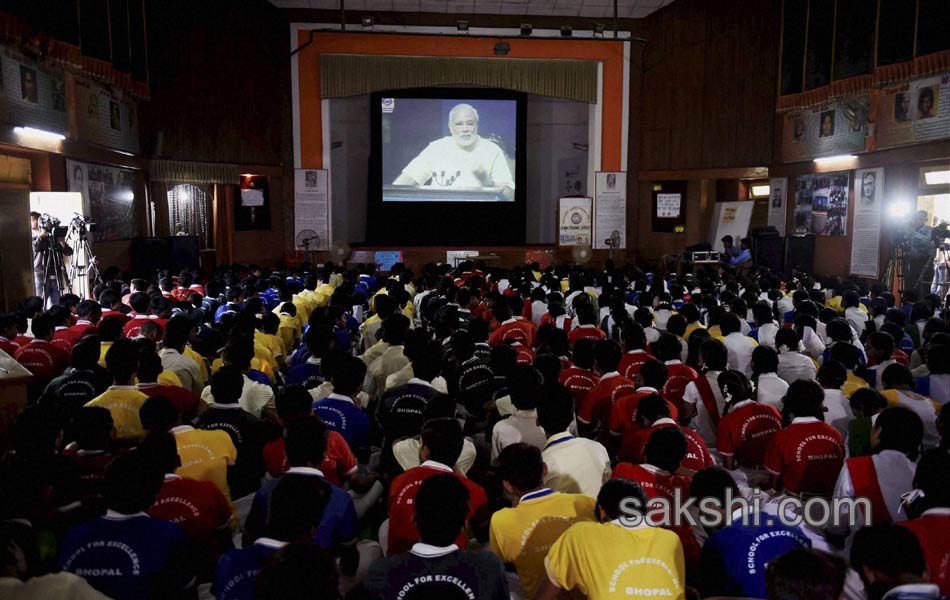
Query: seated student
266, 335
306, 447
807, 455
319, 341
891, 564
556, 315
83, 380
690, 312
928, 511
885, 475
112, 308
616, 553
792, 364
199, 507
246, 430
635, 343
653, 413
702, 398
341, 409
62, 320
473, 378
898, 386
650, 380
406, 450
880, 347
586, 326
391, 359
593, 413
537, 509
400, 412
256, 398
90, 451
644, 317
747, 427
854, 313
510, 329
121, 398
205, 455
8, 333
832, 377
297, 505
150, 369
866, 405
141, 314
177, 332
525, 390
441, 447
765, 326
848, 356
769, 387
88, 313
579, 378
737, 552
109, 331
667, 350
289, 328
806, 574
435, 566
40, 356
676, 326
414, 348
936, 383
126, 553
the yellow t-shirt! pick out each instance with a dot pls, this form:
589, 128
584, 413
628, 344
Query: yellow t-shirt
273, 342
103, 348
123, 402
691, 328
205, 455
716, 333
523, 535
289, 330
200, 360
608, 560
852, 384
167, 377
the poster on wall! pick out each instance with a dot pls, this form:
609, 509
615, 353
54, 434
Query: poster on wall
610, 214
821, 204
866, 241
109, 198
575, 223
572, 177
836, 128
778, 196
104, 117
30, 94
915, 111
252, 210
311, 210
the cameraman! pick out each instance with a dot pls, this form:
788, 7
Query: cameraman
42, 246
920, 251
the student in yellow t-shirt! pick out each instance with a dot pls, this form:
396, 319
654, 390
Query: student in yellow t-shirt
617, 557
522, 535
270, 325
121, 399
289, 328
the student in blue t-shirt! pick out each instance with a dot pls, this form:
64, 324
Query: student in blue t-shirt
296, 508
735, 556
319, 340
126, 553
340, 410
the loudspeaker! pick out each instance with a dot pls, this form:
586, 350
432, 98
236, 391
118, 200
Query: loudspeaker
768, 250
153, 254
800, 253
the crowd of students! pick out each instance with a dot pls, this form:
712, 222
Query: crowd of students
465, 433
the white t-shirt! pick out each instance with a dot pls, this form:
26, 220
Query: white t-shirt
445, 164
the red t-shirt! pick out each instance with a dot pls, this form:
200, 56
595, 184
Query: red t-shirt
623, 413
82, 328
680, 376
515, 330
134, 326
933, 533
808, 454
114, 314
746, 432
198, 507
402, 493
583, 332
632, 361
185, 402
43, 359
22, 340
578, 381
560, 321
8, 346
337, 462
525, 354
596, 406
633, 447
64, 338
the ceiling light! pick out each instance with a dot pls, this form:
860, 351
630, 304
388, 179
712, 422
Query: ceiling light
760, 190
526, 29
567, 31
462, 26
39, 133
837, 158
367, 22
937, 177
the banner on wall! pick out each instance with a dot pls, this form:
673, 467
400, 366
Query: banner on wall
105, 118
821, 204
866, 241
575, 224
108, 196
915, 111
610, 214
778, 196
836, 128
311, 209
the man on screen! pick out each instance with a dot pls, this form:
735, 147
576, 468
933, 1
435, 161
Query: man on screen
462, 160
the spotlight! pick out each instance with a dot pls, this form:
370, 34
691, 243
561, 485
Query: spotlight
526, 29
367, 22
567, 31
599, 29
899, 209
462, 26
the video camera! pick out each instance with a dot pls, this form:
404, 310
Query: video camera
81, 225
51, 225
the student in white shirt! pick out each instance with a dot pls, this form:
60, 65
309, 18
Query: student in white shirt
792, 364
769, 387
524, 387
714, 359
838, 414
738, 345
576, 465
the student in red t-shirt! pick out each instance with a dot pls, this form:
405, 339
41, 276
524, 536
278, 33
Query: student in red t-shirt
623, 413
806, 456
668, 350
441, 447
580, 378
587, 325
8, 333
930, 515
594, 411
653, 413
747, 427
91, 450
88, 313
40, 356
635, 344
510, 329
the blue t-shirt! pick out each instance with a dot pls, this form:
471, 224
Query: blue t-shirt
734, 558
126, 557
259, 377
237, 570
306, 374
338, 523
342, 416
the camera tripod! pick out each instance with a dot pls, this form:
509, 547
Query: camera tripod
54, 268
82, 276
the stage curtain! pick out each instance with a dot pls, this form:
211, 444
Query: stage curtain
343, 75
193, 172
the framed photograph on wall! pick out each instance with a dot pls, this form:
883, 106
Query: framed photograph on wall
669, 206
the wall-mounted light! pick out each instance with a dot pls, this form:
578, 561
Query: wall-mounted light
759, 191
47, 136
367, 23
462, 26
526, 29
834, 159
567, 31
937, 177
